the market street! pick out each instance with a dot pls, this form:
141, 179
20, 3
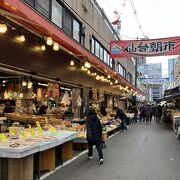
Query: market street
145, 152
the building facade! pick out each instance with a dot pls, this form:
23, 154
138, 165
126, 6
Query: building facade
176, 75
171, 67
76, 31
152, 71
86, 23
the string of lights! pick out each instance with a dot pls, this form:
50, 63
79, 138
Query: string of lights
5, 25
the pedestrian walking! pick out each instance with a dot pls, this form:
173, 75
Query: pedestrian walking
121, 114
135, 111
148, 114
142, 114
158, 113
94, 134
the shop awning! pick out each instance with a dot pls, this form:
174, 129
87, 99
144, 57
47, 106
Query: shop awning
172, 93
37, 23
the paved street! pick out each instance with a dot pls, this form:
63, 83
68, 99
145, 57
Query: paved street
145, 152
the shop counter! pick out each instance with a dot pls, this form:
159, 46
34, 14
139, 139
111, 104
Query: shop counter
27, 162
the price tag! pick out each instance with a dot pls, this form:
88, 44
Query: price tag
11, 131
3, 137
40, 130
32, 132
52, 129
38, 124
23, 135
46, 120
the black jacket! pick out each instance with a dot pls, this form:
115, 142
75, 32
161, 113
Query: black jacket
94, 128
120, 114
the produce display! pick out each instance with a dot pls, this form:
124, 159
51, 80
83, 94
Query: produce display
24, 137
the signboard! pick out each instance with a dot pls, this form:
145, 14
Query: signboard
53, 90
145, 48
154, 81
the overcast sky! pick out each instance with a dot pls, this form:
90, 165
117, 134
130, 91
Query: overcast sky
158, 19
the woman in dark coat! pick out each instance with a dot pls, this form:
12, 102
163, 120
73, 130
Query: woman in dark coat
94, 134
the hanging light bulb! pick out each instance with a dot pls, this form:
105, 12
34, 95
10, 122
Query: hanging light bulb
109, 76
116, 81
3, 28
97, 77
29, 83
21, 95
82, 68
29, 86
88, 72
111, 83
89, 65
86, 64
49, 41
24, 83
43, 47
56, 46
21, 38
72, 63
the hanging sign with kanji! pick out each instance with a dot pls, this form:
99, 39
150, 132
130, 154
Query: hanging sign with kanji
145, 48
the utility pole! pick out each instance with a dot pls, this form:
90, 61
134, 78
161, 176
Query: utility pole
136, 59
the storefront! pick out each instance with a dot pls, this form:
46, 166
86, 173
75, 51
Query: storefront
172, 108
41, 64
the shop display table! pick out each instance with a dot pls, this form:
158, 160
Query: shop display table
26, 162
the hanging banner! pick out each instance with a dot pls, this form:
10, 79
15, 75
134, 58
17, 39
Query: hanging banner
145, 48
154, 81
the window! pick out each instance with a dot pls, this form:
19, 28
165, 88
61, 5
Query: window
121, 70
101, 53
56, 13
110, 63
105, 56
43, 7
97, 46
92, 45
113, 64
67, 22
30, 2
108, 60
76, 30
124, 72
129, 77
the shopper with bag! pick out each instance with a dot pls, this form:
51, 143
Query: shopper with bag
94, 134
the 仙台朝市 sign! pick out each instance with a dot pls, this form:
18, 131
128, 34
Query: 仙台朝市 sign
145, 48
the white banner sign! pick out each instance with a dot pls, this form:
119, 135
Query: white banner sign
154, 81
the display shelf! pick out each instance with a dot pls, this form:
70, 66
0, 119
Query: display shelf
48, 160
28, 162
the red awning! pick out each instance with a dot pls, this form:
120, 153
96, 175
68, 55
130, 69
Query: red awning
34, 21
